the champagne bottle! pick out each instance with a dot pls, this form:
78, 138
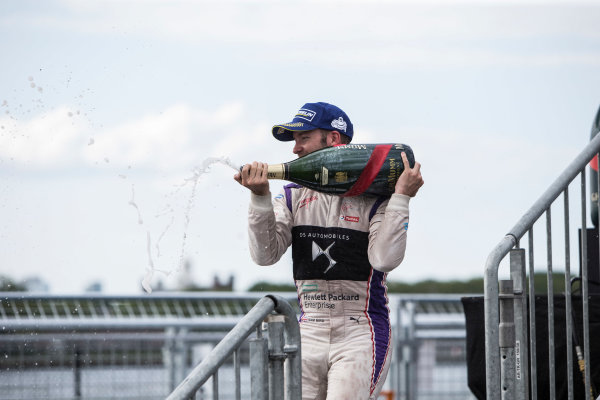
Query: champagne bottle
347, 170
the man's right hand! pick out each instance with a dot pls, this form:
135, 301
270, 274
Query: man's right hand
254, 177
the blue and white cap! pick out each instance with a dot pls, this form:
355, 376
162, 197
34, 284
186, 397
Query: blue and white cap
315, 116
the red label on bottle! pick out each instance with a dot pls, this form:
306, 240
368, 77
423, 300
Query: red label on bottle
371, 170
594, 163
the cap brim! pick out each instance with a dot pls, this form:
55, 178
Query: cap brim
285, 132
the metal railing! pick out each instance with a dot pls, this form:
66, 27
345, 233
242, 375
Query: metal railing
509, 338
98, 346
426, 327
266, 383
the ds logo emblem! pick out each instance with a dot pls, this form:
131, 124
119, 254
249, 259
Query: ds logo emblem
317, 251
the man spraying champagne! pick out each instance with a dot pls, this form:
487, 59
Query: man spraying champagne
343, 247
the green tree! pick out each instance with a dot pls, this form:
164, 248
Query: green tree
8, 285
263, 286
470, 286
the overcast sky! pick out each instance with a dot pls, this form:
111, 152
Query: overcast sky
109, 111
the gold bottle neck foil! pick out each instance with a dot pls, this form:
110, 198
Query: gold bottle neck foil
276, 171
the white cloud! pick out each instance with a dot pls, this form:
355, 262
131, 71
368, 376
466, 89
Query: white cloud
174, 140
146, 141
180, 138
49, 139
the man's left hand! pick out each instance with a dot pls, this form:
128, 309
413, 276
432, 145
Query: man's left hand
410, 180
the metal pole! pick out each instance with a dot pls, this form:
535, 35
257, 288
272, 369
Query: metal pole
169, 357
490, 287
394, 370
412, 372
550, 280
259, 378
215, 385
532, 331
584, 289
507, 339
236, 367
276, 356
568, 305
517, 273
402, 352
77, 372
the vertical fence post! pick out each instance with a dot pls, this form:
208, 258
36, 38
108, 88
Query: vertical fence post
276, 356
532, 327
237, 372
402, 352
550, 296
293, 373
491, 308
393, 375
412, 370
568, 304
507, 339
180, 354
215, 385
259, 378
169, 357
517, 273
77, 372
584, 289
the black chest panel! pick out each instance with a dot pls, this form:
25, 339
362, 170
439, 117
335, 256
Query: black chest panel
330, 254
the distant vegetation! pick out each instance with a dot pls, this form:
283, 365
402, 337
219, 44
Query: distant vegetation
471, 286
271, 287
8, 285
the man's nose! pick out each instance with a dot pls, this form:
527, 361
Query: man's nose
297, 149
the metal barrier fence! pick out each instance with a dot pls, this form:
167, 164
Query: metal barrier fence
266, 356
141, 347
517, 366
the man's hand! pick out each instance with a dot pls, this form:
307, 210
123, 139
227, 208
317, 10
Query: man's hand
410, 180
254, 177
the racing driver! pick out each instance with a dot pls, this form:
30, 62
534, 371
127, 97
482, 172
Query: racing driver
342, 250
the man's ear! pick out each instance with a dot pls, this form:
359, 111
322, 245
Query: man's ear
335, 138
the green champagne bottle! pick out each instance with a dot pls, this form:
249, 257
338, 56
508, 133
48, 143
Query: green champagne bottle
347, 170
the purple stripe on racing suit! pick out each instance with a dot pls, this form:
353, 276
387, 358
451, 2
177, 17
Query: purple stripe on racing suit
380, 323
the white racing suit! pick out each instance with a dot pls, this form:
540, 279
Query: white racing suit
342, 249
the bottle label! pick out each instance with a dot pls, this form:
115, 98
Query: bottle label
354, 146
341, 177
324, 176
394, 173
370, 170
